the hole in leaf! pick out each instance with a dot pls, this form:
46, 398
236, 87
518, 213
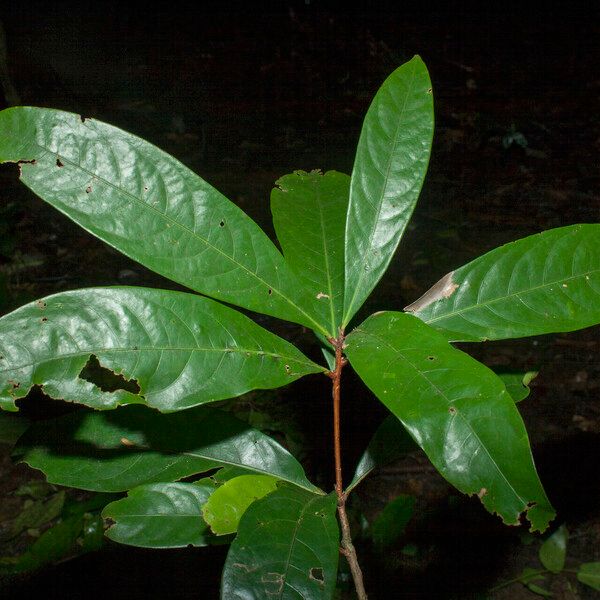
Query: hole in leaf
270, 291
88, 189
452, 410
82, 118
431, 358
44, 319
222, 224
59, 163
105, 379
317, 574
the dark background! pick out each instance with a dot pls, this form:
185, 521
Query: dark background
246, 92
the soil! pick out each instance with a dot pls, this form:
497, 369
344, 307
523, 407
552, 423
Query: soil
244, 95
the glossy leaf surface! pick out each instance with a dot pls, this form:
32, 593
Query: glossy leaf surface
227, 504
149, 206
118, 450
554, 550
456, 409
287, 547
160, 515
180, 349
390, 165
309, 215
390, 441
544, 283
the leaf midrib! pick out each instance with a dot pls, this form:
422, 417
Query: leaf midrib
508, 296
236, 350
443, 395
346, 317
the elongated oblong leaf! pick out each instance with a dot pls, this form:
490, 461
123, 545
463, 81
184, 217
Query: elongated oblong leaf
227, 504
160, 515
544, 283
456, 409
149, 206
309, 215
117, 450
287, 547
180, 349
390, 165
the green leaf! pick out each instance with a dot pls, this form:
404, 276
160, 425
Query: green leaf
390, 165
227, 504
391, 441
11, 427
38, 513
287, 547
54, 544
152, 208
391, 522
327, 351
170, 350
117, 450
589, 573
160, 515
309, 214
92, 533
517, 384
554, 550
544, 283
540, 591
456, 409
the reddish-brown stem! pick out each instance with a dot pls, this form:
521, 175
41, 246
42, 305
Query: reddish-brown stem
347, 547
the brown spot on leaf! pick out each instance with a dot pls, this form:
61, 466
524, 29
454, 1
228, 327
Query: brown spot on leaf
40, 304
444, 288
88, 189
452, 410
482, 492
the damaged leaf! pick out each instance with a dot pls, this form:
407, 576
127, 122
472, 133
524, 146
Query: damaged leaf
287, 547
160, 213
178, 350
456, 409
